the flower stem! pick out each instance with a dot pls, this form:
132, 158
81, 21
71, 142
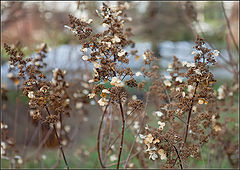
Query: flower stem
59, 142
122, 135
99, 134
177, 152
189, 114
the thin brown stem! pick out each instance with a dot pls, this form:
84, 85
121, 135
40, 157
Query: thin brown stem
59, 142
99, 134
122, 135
233, 63
116, 138
178, 156
110, 130
141, 125
229, 27
189, 114
102, 135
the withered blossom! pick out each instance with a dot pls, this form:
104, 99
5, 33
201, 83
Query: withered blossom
48, 101
181, 95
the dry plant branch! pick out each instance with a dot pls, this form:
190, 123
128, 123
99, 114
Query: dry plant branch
177, 152
189, 114
122, 134
59, 142
141, 125
99, 135
229, 27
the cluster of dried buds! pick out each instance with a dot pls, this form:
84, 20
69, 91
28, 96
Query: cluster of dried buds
185, 99
41, 93
107, 52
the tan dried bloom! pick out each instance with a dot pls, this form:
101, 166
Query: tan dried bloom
148, 140
116, 82
162, 154
103, 102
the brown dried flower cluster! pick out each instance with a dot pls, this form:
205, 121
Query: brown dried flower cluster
136, 105
48, 101
185, 98
187, 109
109, 59
40, 92
107, 54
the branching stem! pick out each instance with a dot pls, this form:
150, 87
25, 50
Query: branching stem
178, 156
59, 142
122, 135
99, 134
229, 27
189, 114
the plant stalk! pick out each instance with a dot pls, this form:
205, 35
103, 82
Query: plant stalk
59, 142
122, 134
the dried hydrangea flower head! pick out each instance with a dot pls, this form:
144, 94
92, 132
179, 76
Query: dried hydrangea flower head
182, 96
48, 101
40, 92
109, 59
107, 52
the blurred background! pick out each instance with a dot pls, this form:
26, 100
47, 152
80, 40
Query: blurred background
166, 28
32, 23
